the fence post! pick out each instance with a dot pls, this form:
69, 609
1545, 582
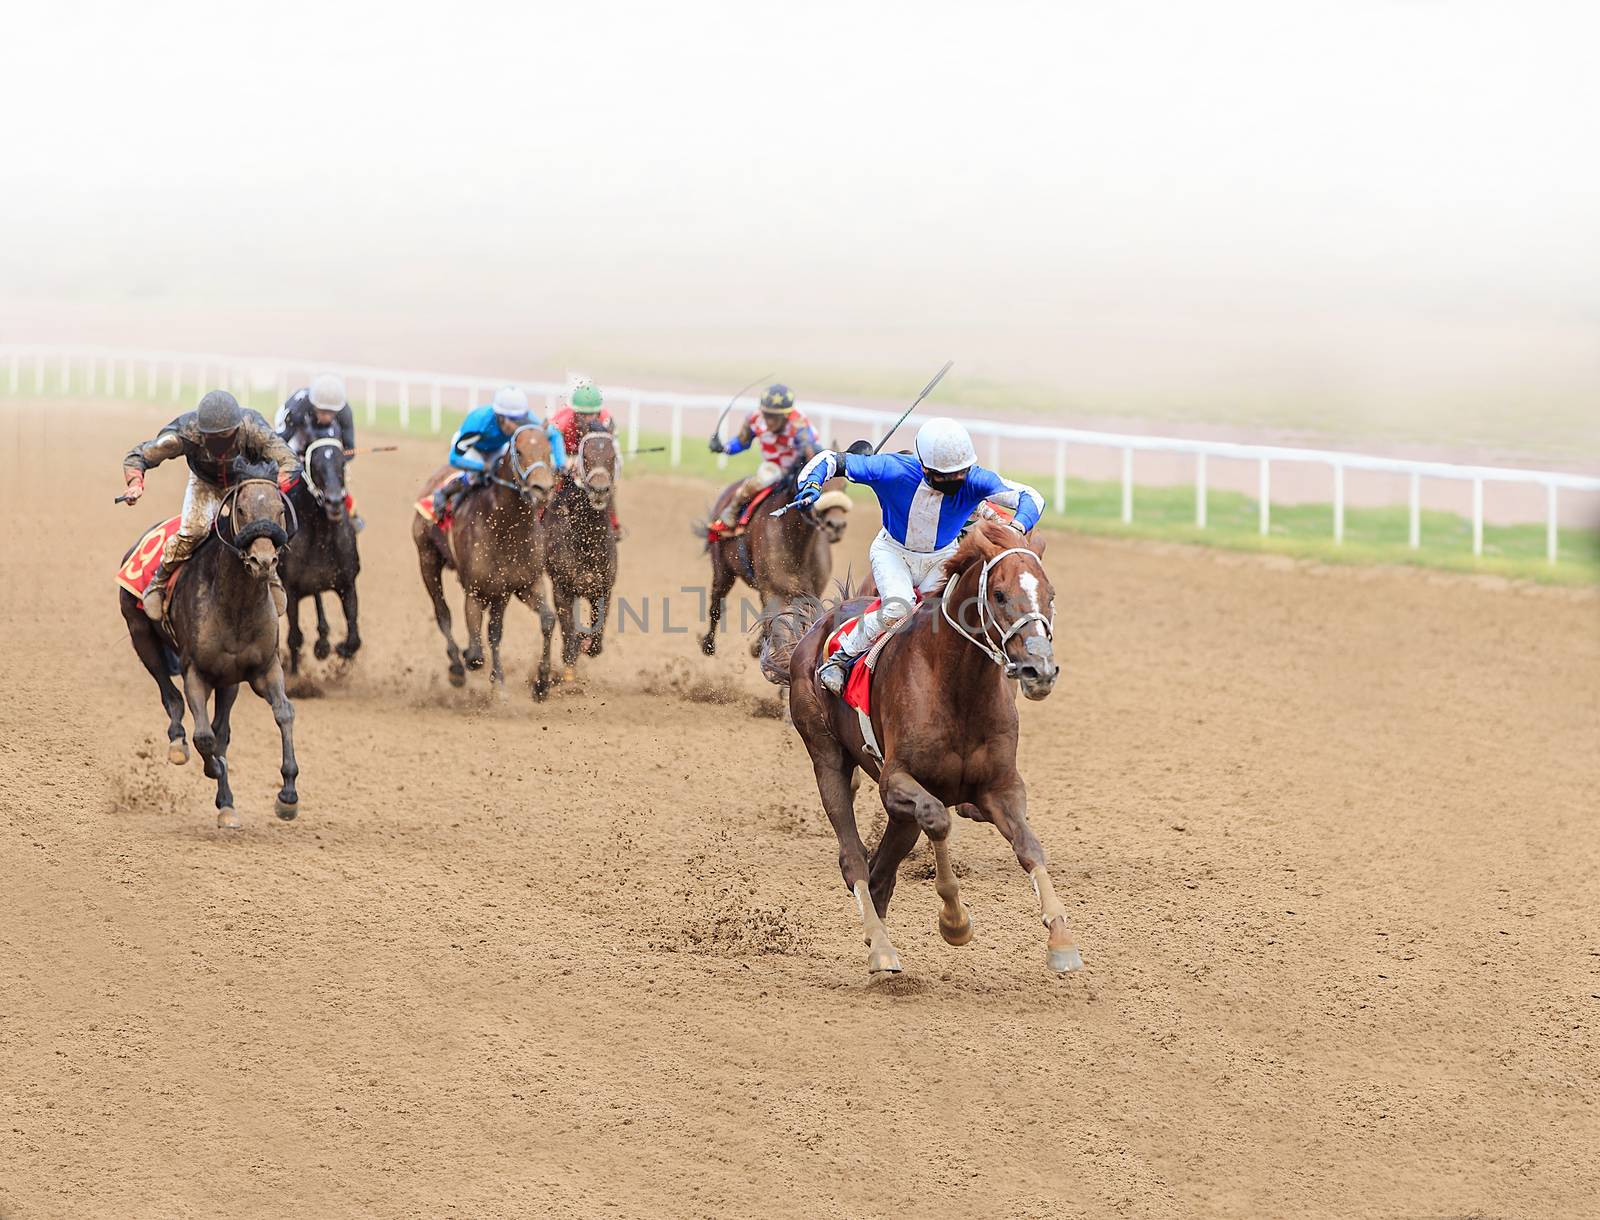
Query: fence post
201, 377
1127, 485
1338, 503
1200, 490
90, 375
677, 433
66, 373
1416, 510
283, 386
405, 404
150, 378
1552, 537
16, 370
1477, 516
633, 423
1264, 493
1061, 477
177, 380
127, 378
824, 426
435, 409
38, 372
994, 451
372, 401
472, 395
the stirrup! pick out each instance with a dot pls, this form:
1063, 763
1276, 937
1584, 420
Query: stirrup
156, 594
835, 671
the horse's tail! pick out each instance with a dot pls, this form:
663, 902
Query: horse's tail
702, 531
783, 629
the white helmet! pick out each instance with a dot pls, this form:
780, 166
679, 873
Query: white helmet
510, 402
327, 392
943, 445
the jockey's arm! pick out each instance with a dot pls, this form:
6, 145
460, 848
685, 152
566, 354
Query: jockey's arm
805, 443
866, 469
167, 444
462, 454
746, 438
258, 440
558, 446
346, 420
1028, 503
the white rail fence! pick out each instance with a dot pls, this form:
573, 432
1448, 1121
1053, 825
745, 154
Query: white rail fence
115, 371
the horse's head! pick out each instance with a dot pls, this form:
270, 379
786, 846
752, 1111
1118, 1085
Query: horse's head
1008, 604
525, 464
831, 514
324, 466
255, 522
595, 467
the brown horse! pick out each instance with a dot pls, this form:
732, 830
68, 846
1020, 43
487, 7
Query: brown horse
221, 630
945, 715
582, 549
784, 559
496, 544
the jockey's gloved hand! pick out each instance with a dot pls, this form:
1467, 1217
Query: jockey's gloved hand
808, 495
716, 443
133, 491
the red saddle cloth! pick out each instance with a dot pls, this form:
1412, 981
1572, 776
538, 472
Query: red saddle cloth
139, 568
858, 686
425, 505
716, 531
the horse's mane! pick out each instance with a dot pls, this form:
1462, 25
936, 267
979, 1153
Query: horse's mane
981, 543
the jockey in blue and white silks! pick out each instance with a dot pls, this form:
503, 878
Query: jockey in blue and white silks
925, 500
483, 433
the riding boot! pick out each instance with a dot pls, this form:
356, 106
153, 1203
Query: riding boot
730, 516
438, 503
835, 671
155, 594
280, 597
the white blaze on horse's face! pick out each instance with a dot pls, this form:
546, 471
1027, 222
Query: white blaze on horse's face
1030, 587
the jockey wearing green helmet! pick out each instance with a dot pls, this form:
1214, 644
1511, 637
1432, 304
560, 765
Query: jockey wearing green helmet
584, 413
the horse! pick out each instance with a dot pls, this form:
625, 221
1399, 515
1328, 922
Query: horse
944, 714
496, 543
221, 629
581, 553
784, 559
323, 554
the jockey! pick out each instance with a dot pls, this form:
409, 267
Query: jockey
926, 501
224, 444
583, 414
317, 411
787, 440
479, 440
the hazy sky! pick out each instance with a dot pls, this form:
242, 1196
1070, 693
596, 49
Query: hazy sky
1192, 171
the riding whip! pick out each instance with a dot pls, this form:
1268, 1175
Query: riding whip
926, 390
716, 433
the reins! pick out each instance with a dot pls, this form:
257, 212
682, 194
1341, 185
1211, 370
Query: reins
317, 494
522, 473
987, 622
259, 528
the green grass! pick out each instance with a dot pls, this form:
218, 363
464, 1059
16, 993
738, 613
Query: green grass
1305, 531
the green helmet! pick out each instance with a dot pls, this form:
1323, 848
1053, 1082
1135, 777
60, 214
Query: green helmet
585, 398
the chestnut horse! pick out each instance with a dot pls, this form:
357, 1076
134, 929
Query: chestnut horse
221, 630
785, 559
582, 550
496, 544
945, 715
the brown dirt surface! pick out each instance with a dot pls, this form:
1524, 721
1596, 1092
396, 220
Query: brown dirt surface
1329, 839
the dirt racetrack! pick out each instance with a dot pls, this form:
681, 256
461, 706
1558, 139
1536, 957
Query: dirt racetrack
1329, 838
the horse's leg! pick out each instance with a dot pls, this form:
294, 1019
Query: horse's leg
567, 614
269, 686
497, 630
907, 801
321, 649
834, 775
533, 598
432, 564
595, 637
352, 632
722, 578
1007, 807
153, 654
198, 693
474, 653
296, 636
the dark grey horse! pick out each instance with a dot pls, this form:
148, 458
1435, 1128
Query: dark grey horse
323, 555
582, 548
221, 629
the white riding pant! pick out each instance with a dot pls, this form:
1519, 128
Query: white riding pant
900, 574
200, 503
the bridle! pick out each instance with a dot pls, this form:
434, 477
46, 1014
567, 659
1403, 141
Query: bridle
326, 442
259, 528
987, 622
581, 462
522, 473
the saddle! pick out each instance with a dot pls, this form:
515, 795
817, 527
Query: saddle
139, 568
716, 531
425, 503
858, 686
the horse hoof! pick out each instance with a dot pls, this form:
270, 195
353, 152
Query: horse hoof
709, 645
884, 962
960, 934
1064, 961
570, 674
346, 651
458, 676
474, 660
177, 753
321, 648
286, 809
227, 819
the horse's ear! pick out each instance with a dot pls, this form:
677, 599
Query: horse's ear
1034, 543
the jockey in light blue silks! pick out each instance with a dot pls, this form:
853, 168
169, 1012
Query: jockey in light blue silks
926, 500
483, 433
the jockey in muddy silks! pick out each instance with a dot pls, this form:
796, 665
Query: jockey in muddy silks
224, 444
926, 500
483, 433
584, 413
786, 439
